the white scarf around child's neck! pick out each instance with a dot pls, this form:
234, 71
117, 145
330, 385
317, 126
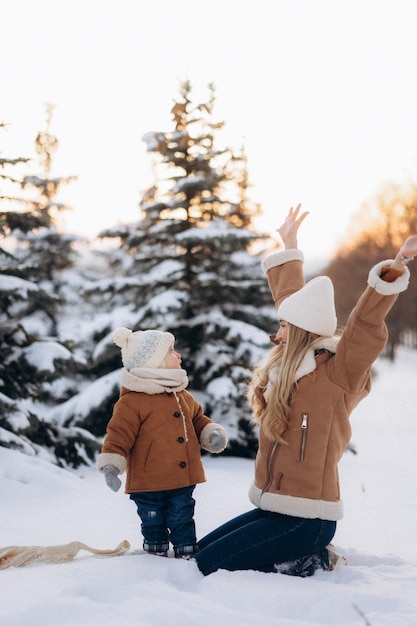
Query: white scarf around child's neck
154, 380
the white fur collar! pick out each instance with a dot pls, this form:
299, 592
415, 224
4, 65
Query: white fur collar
308, 364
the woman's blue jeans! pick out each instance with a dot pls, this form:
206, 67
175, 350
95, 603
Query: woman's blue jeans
167, 516
260, 540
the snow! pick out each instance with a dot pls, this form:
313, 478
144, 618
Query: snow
16, 286
42, 504
214, 229
42, 354
81, 404
152, 140
166, 301
221, 387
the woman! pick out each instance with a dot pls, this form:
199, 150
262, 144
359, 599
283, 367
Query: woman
302, 395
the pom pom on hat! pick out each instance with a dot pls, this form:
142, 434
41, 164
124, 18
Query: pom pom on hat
312, 307
143, 348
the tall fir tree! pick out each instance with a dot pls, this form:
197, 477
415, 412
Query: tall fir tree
188, 266
31, 356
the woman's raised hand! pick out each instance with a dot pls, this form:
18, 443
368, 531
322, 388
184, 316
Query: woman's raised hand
289, 229
409, 249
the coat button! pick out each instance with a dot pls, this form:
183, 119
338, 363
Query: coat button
177, 414
183, 464
180, 439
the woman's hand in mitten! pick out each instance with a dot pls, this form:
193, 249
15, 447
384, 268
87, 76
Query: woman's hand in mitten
111, 476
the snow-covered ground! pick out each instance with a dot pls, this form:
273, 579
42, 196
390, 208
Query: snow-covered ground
44, 505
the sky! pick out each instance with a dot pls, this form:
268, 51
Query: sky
44, 505
322, 95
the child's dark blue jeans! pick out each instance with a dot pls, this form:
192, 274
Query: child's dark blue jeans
167, 516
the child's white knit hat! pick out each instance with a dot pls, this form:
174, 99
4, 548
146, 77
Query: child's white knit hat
312, 307
143, 348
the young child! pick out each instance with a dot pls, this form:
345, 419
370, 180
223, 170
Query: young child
155, 434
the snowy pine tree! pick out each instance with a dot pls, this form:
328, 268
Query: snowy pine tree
32, 358
188, 266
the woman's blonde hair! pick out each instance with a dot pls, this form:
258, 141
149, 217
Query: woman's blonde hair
272, 387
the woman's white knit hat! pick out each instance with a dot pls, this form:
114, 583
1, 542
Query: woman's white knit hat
143, 348
312, 307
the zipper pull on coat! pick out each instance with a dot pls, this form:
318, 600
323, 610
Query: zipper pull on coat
304, 424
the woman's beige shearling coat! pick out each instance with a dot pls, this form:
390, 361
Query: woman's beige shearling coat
301, 478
